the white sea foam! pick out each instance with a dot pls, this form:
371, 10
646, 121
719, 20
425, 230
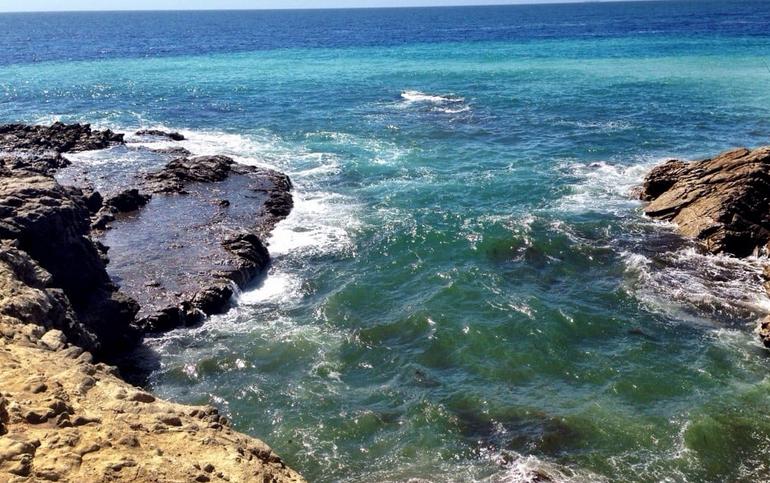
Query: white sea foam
517, 468
417, 96
697, 287
604, 187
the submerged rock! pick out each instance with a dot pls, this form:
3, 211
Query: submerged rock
723, 202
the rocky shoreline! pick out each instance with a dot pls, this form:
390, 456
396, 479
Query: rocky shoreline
76, 286
721, 202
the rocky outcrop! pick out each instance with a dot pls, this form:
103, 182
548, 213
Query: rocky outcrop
173, 135
210, 245
58, 138
722, 202
65, 418
51, 224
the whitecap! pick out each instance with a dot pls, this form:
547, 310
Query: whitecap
411, 96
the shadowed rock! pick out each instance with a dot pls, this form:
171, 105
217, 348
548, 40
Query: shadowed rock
175, 136
51, 224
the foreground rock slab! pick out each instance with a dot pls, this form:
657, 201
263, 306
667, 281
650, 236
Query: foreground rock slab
64, 418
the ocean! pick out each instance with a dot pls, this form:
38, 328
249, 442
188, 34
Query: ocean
467, 289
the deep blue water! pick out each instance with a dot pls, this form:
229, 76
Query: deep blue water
466, 289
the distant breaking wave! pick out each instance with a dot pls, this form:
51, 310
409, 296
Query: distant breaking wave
417, 96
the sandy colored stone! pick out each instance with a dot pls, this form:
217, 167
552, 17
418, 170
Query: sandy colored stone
96, 436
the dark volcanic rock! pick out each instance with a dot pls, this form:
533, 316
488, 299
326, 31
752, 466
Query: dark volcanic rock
180, 257
179, 172
58, 137
206, 247
51, 224
160, 133
128, 200
722, 202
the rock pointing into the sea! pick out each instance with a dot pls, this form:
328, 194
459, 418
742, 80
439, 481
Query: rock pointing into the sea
62, 416
723, 202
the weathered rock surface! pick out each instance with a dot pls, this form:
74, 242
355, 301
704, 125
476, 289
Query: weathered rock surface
64, 418
58, 137
51, 224
208, 244
722, 202
173, 135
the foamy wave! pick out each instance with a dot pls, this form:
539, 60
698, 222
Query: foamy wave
417, 96
694, 286
320, 222
603, 186
603, 126
517, 468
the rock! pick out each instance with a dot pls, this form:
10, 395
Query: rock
3, 415
176, 151
54, 339
160, 133
141, 396
180, 172
58, 137
36, 215
128, 200
723, 202
170, 420
763, 331
57, 298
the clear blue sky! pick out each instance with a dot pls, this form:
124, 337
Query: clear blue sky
51, 5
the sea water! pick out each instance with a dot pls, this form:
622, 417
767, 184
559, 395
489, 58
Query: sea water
466, 289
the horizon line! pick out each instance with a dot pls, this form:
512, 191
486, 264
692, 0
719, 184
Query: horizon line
383, 7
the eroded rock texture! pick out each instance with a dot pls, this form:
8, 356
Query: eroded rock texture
722, 202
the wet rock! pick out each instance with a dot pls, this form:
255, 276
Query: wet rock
176, 151
723, 202
128, 200
173, 135
57, 137
180, 172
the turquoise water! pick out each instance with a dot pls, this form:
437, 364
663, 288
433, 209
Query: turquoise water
466, 289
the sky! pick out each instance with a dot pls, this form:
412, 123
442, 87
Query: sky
63, 5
